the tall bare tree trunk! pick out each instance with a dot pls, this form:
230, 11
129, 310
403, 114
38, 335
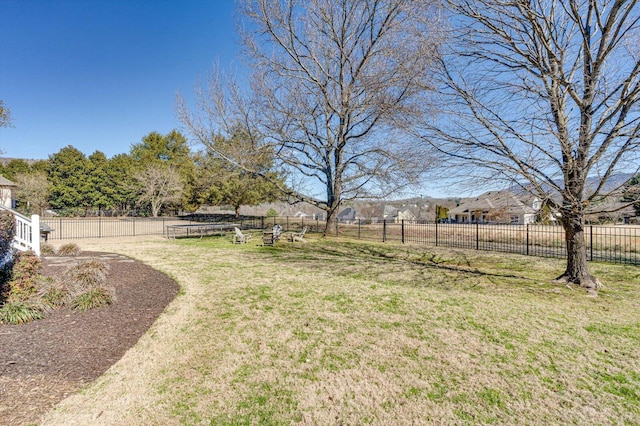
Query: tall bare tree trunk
334, 195
577, 269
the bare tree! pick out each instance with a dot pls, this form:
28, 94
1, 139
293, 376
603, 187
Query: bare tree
331, 80
5, 115
33, 191
543, 93
159, 185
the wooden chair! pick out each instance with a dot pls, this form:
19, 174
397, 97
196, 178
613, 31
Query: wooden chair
298, 236
270, 237
239, 237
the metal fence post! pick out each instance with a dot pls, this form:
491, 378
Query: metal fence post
591, 240
436, 232
477, 236
527, 239
359, 225
402, 230
384, 231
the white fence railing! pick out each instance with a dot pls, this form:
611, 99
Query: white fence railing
27, 232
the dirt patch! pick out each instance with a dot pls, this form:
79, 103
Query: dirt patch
45, 361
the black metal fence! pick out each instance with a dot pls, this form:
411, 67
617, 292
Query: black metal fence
615, 244
66, 228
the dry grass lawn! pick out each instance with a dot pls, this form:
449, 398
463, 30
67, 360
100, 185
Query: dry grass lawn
342, 332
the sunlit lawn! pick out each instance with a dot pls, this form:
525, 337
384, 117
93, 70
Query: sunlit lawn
345, 332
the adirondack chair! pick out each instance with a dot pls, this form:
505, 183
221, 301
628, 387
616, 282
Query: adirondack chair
239, 237
269, 238
298, 236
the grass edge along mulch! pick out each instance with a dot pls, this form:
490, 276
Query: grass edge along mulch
342, 332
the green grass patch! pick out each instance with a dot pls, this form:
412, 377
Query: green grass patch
346, 332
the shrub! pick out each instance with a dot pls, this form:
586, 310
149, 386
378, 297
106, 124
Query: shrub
7, 233
86, 275
16, 312
93, 298
28, 295
47, 250
24, 276
69, 250
53, 293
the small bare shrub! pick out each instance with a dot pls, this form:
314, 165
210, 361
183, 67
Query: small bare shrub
69, 250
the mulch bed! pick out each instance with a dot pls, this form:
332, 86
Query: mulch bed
44, 361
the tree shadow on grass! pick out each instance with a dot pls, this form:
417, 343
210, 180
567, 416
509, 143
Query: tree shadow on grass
375, 261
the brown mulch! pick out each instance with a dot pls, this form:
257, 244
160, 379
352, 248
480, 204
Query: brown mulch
44, 361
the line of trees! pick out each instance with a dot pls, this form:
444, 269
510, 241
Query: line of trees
159, 174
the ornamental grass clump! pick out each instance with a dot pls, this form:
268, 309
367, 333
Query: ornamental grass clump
69, 250
53, 293
20, 312
94, 298
47, 250
86, 285
28, 295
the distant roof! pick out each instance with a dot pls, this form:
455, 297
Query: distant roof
6, 182
390, 210
493, 200
347, 214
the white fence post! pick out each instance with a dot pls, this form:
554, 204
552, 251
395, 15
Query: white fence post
35, 234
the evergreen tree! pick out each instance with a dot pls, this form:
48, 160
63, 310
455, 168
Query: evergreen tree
632, 193
120, 171
100, 187
69, 179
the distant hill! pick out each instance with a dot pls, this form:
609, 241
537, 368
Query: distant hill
5, 160
614, 182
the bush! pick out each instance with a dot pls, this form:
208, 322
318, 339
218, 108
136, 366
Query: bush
53, 293
271, 213
85, 283
24, 276
28, 295
14, 312
86, 275
47, 250
69, 250
93, 298
7, 233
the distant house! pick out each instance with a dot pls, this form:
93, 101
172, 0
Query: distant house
347, 215
7, 193
495, 207
394, 214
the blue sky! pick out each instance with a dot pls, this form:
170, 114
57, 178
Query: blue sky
101, 74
